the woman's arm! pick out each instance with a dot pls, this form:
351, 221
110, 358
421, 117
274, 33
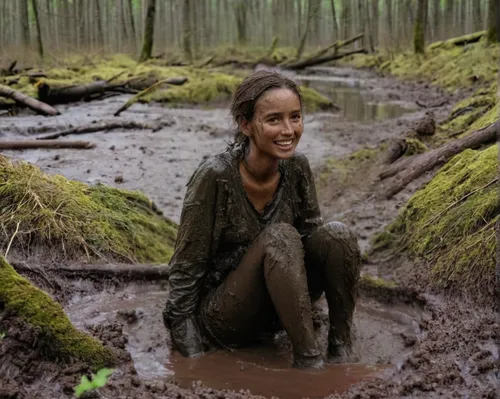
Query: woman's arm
190, 260
310, 214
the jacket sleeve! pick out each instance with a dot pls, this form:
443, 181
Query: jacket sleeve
309, 214
189, 263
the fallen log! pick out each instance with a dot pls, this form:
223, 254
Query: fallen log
321, 60
460, 40
67, 94
95, 271
133, 100
98, 127
419, 164
36, 144
27, 101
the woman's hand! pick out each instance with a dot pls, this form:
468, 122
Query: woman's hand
187, 337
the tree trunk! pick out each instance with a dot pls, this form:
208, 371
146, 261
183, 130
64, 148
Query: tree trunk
311, 13
98, 21
388, 6
38, 29
188, 32
35, 144
241, 21
478, 19
29, 102
147, 46
335, 25
25, 22
419, 28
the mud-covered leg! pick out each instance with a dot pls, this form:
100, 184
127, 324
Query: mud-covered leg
332, 259
271, 274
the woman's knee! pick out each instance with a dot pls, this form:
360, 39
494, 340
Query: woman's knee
337, 237
282, 242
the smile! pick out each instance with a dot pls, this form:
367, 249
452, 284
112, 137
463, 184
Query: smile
284, 143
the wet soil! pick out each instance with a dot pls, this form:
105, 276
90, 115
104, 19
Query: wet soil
426, 348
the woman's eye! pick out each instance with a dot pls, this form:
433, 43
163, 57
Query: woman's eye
296, 117
273, 120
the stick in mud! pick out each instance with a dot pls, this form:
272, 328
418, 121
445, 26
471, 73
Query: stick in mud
175, 81
36, 144
98, 127
28, 101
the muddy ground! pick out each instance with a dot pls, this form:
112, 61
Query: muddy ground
414, 344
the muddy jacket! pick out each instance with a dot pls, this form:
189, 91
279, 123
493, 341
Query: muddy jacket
218, 224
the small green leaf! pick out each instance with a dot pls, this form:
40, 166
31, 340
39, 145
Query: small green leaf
98, 380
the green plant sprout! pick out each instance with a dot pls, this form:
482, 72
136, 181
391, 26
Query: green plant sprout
98, 380
2, 335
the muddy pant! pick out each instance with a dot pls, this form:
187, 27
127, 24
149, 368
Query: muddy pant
281, 274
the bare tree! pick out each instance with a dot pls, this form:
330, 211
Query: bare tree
147, 46
419, 27
38, 28
188, 32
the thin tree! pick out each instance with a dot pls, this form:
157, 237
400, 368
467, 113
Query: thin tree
187, 31
25, 22
147, 46
38, 29
493, 31
335, 25
241, 22
312, 11
419, 28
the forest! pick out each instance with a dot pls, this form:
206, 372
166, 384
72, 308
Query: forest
108, 107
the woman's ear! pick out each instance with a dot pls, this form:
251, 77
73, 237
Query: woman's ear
245, 127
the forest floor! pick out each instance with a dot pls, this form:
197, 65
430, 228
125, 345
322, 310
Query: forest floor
409, 343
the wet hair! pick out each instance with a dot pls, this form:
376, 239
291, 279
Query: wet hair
248, 93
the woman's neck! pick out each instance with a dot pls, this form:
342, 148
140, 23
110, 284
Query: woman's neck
261, 168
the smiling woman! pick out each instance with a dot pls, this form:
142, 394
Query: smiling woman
252, 252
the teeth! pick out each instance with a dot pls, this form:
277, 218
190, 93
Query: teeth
284, 143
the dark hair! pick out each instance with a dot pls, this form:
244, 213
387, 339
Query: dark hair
248, 93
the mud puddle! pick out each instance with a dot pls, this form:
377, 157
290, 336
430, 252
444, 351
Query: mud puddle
263, 369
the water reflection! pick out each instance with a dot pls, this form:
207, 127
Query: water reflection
348, 95
263, 372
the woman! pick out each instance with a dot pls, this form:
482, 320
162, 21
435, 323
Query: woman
252, 252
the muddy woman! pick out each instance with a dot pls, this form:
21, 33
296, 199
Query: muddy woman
252, 252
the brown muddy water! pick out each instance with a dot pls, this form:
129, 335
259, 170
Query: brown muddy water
160, 163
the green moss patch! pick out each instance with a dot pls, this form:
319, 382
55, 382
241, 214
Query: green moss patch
450, 222
76, 219
59, 338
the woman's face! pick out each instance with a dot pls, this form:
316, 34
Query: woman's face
276, 127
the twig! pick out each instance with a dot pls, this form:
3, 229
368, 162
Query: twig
12, 239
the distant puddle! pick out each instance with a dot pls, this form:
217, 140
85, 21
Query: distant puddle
348, 95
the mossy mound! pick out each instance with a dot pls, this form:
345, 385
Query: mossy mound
451, 221
58, 338
414, 146
76, 219
445, 65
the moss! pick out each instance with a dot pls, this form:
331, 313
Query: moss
78, 219
382, 240
450, 222
487, 119
414, 146
376, 282
314, 101
58, 337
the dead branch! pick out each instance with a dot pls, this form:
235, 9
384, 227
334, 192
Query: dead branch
321, 60
206, 62
27, 101
36, 144
96, 271
419, 164
133, 100
98, 127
